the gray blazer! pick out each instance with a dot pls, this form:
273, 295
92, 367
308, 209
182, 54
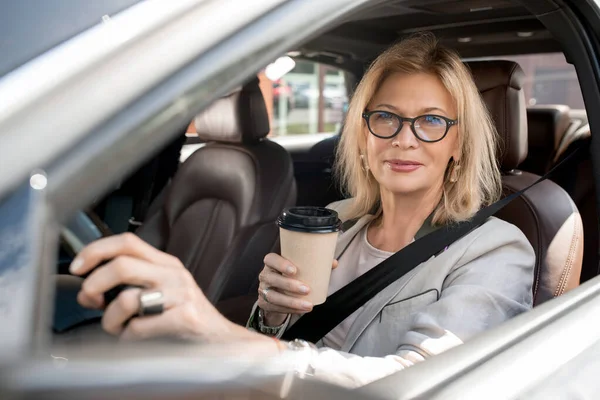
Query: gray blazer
478, 282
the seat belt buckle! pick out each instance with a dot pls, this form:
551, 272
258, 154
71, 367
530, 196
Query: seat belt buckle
134, 224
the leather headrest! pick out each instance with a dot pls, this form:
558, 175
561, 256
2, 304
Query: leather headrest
239, 117
547, 125
501, 86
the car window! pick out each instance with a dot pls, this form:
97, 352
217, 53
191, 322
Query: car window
310, 98
31, 27
549, 79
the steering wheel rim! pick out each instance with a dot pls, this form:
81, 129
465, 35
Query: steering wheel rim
82, 229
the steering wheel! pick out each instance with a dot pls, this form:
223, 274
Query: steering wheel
82, 229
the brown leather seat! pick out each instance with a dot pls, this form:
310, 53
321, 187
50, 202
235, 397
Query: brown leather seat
558, 131
218, 214
546, 126
577, 179
545, 213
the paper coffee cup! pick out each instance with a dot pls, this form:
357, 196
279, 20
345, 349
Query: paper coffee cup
308, 238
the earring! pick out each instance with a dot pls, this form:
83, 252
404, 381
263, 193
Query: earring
365, 164
454, 172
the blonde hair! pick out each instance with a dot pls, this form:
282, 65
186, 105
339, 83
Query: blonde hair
478, 178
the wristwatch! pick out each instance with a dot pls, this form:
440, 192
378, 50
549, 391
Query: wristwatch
266, 329
300, 344
304, 366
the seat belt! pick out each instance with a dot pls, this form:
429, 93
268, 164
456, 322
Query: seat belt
323, 318
141, 201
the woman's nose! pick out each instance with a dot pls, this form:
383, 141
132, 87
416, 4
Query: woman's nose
405, 138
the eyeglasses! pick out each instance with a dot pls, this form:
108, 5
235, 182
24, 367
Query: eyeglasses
427, 128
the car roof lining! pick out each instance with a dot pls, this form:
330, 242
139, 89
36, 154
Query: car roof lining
493, 28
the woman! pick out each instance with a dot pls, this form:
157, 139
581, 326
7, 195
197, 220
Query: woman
417, 153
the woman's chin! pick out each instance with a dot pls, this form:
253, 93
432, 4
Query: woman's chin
404, 189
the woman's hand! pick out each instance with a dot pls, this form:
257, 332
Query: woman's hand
187, 313
278, 277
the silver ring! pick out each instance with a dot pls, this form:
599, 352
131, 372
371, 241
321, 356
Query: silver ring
265, 292
151, 303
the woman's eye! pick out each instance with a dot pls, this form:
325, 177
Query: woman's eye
383, 116
433, 120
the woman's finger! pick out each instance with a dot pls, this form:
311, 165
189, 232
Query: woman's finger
335, 264
118, 245
120, 310
278, 309
140, 328
127, 305
280, 264
181, 321
272, 279
296, 305
125, 270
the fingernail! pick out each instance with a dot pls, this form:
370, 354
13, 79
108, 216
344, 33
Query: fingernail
75, 265
303, 289
291, 270
306, 305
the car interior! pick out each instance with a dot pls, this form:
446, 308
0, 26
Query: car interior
216, 210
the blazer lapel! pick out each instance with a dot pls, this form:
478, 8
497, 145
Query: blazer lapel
373, 307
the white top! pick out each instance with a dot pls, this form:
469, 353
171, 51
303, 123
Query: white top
360, 257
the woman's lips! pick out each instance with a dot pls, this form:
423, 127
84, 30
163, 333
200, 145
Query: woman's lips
403, 165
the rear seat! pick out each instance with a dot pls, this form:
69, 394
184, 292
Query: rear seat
546, 126
577, 178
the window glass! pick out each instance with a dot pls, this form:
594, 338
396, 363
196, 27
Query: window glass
549, 79
31, 27
311, 98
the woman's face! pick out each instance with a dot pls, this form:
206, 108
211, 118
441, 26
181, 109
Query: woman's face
405, 164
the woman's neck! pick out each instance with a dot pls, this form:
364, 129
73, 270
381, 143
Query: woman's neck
401, 219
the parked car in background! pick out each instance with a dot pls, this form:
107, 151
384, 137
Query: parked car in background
283, 92
334, 95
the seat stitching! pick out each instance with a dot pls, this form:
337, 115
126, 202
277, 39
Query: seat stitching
569, 264
574, 242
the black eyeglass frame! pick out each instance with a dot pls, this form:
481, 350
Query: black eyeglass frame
449, 123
